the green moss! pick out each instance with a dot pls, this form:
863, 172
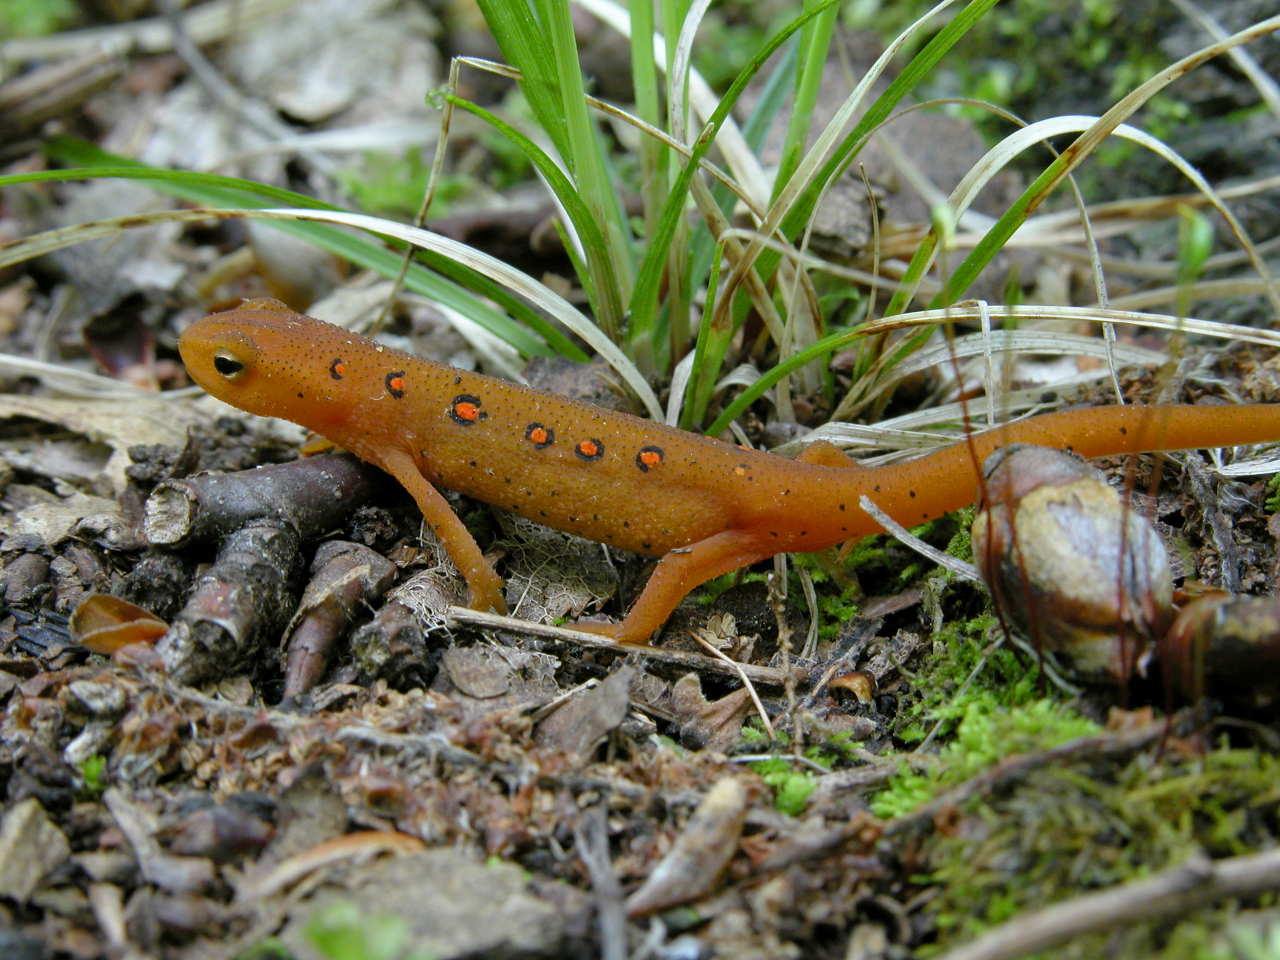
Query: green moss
960, 545
1273, 494
753, 734
342, 931
987, 732
959, 648
791, 790
792, 783
93, 772
394, 184
269, 948
35, 18
1089, 826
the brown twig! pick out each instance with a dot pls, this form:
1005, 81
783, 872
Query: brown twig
1003, 773
238, 606
680, 658
1102, 746
311, 495
344, 577
1192, 884
591, 836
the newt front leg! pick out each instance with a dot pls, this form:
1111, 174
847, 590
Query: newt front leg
483, 583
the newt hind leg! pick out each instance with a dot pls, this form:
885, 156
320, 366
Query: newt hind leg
824, 454
676, 574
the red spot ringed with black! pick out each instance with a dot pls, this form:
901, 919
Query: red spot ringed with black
337, 369
395, 384
589, 450
465, 409
539, 435
648, 457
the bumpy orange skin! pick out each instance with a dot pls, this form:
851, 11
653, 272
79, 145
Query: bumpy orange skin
705, 506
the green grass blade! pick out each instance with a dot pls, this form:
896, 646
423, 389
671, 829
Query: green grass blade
519, 36
815, 44
824, 347
644, 300
220, 191
644, 80
912, 74
538, 38
599, 263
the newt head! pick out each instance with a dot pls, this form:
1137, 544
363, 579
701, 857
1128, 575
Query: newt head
267, 359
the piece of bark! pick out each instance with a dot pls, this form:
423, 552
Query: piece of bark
30, 847
52, 90
708, 724
586, 718
262, 517
241, 603
393, 645
344, 576
311, 496
169, 872
700, 853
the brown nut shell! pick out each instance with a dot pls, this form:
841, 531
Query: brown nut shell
1069, 564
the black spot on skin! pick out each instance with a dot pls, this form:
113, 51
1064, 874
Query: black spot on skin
301, 394
876, 488
911, 494
472, 463
573, 519
773, 533
456, 381
804, 533
786, 492
542, 513
626, 523
842, 507
646, 544
1124, 431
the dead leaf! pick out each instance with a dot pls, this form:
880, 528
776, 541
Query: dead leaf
703, 849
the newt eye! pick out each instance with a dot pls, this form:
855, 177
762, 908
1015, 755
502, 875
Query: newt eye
227, 365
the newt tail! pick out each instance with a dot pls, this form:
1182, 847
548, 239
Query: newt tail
704, 506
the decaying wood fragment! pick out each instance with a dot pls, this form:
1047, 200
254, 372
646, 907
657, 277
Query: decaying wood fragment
344, 575
311, 495
261, 518
700, 853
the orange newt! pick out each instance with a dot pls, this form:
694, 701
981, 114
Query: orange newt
704, 506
